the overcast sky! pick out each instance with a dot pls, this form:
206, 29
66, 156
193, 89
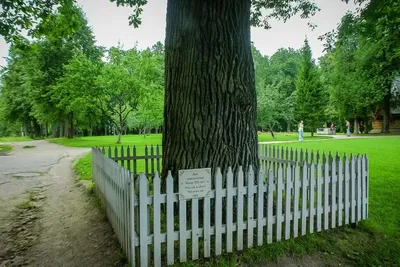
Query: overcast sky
110, 26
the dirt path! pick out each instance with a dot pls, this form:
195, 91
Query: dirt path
46, 217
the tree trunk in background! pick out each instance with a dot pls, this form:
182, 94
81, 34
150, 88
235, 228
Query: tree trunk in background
356, 129
210, 98
61, 130
288, 126
386, 113
46, 129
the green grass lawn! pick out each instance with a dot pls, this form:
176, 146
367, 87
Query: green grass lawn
156, 139
5, 148
15, 139
375, 242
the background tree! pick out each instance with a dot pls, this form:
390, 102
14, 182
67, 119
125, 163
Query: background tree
311, 99
119, 87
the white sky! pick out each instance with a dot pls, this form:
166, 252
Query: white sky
110, 25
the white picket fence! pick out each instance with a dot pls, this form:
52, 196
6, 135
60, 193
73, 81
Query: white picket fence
293, 194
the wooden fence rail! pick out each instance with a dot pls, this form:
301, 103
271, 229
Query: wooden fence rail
293, 193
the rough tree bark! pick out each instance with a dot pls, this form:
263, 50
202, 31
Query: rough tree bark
356, 128
210, 97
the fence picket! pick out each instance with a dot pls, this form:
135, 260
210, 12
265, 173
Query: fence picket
353, 189
207, 227
158, 158
304, 190
134, 161
218, 212
279, 204
195, 227
144, 223
157, 218
250, 207
319, 194
340, 191
270, 202
296, 201
146, 160
229, 210
122, 156
239, 212
288, 212
326, 194
132, 219
312, 195
363, 185
152, 158
182, 230
128, 155
170, 219
346, 190
333, 193
359, 178
260, 208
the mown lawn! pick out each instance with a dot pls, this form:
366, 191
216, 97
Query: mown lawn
375, 242
15, 139
155, 139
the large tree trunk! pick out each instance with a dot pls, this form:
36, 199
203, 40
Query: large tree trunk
356, 129
386, 114
210, 97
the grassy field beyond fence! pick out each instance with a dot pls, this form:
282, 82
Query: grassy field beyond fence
376, 242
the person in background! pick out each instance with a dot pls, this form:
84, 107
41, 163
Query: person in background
301, 131
348, 128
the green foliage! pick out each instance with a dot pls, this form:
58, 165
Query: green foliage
5, 148
52, 18
261, 11
311, 98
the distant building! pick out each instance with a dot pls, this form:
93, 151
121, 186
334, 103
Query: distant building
394, 118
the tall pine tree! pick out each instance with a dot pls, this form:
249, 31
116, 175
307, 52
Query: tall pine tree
310, 93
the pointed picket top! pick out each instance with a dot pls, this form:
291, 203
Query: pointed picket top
306, 156
170, 183
301, 155
251, 174
218, 178
229, 172
287, 153
156, 178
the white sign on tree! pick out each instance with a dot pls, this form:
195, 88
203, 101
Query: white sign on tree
194, 183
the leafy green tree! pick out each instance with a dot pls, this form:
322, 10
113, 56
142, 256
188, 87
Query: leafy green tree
120, 88
77, 93
311, 98
52, 18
